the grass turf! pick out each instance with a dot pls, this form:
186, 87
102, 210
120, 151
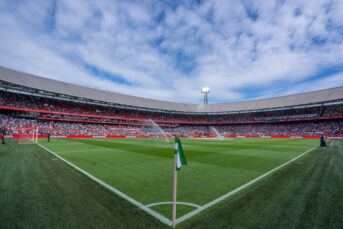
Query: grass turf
39, 191
142, 169
305, 194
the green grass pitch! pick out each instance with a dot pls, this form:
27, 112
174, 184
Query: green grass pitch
39, 191
142, 168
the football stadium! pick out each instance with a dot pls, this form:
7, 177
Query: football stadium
78, 157
171, 114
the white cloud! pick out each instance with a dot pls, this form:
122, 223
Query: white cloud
225, 45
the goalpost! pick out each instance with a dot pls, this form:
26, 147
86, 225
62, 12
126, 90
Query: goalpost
27, 135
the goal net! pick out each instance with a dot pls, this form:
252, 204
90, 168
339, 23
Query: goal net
27, 135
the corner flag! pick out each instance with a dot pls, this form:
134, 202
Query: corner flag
180, 157
180, 160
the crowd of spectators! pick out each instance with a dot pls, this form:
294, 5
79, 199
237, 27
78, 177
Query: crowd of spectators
82, 111
96, 120
332, 128
332, 111
312, 112
12, 125
57, 128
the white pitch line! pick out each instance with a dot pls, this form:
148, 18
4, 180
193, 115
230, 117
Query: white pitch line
210, 204
114, 190
180, 203
190, 214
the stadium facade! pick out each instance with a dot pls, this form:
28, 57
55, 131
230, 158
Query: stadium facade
23, 82
53, 103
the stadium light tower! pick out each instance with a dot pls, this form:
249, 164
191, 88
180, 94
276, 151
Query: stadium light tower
205, 91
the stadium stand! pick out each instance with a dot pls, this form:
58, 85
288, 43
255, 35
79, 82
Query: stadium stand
63, 109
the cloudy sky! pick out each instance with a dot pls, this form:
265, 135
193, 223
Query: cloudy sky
168, 50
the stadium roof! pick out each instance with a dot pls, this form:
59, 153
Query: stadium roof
9, 76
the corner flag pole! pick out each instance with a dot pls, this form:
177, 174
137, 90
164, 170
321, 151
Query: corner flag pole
180, 160
174, 192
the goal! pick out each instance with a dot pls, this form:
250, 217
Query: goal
27, 135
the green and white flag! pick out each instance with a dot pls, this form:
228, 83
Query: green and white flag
181, 159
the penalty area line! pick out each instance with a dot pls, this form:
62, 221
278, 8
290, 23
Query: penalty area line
112, 189
233, 192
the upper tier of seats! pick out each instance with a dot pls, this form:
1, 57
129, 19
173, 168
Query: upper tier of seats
53, 109
11, 79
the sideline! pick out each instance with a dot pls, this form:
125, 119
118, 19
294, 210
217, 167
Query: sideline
227, 195
190, 214
114, 190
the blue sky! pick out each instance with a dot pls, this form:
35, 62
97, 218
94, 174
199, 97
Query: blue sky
170, 49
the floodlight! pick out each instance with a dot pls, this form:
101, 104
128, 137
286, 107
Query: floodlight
205, 90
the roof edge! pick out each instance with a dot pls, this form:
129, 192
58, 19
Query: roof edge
59, 87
